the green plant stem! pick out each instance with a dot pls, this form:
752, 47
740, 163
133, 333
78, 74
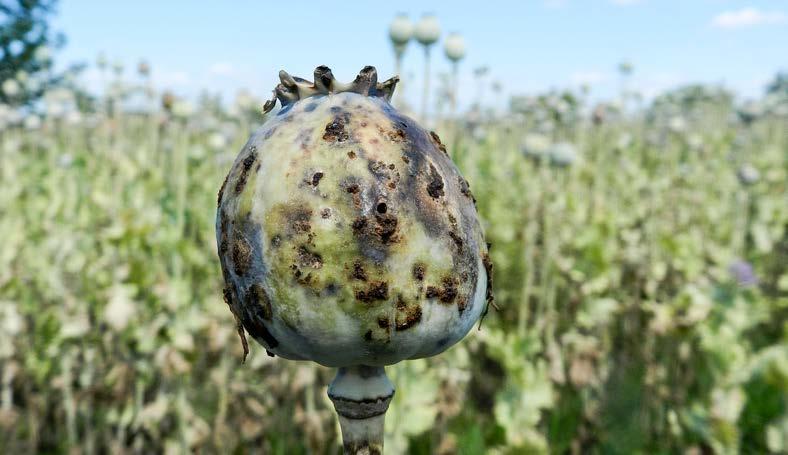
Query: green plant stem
361, 395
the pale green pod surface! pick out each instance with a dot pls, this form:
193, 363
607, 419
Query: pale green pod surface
346, 234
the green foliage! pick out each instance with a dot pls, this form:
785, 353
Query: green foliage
621, 330
25, 47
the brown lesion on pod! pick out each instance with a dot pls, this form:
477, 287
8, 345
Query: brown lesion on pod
435, 138
407, 315
307, 258
419, 269
446, 293
246, 164
242, 253
221, 191
257, 295
465, 189
375, 291
358, 272
435, 185
336, 130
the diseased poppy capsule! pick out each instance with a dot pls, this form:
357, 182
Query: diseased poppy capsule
348, 237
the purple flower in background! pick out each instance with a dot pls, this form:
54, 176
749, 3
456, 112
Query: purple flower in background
743, 273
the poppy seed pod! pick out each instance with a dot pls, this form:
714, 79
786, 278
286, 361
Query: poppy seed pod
348, 237
454, 46
428, 30
401, 30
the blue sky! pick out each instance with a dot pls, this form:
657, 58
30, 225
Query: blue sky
529, 46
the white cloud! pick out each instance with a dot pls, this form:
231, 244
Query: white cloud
625, 2
221, 69
748, 17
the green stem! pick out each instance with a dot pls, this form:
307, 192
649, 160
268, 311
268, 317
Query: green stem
361, 396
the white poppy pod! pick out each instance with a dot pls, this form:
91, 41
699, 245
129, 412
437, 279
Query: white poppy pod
454, 46
43, 54
401, 30
428, 30
11, 87
748, 174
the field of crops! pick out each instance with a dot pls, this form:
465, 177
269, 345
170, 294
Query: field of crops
640, 270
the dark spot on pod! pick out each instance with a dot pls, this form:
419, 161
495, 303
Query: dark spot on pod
407, 315
418, 271
316, 178
465, 189
351, 154
299, 276
457, 240
381, 208
386, 228
276, 240
377, 290
435, 186
383, 322
331, 289
462, 303
310, 107
446, 294
384, 172
335, 129
358, 272
352, 188
256, 296
224, 226
246, 165
300, 220
359, 224
438, 142
325, 213
253, 322
368, 337
227, 294
488, 267
242, 253
405, 159
375, 234
221, 191
308, 258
